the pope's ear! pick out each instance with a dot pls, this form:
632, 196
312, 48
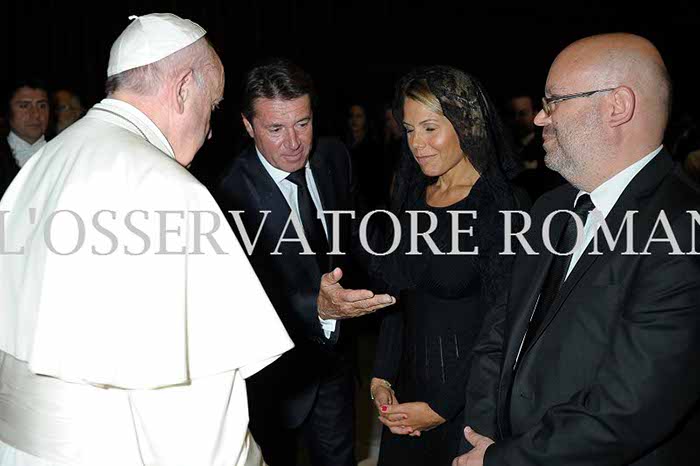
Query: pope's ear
248, 126
183, 89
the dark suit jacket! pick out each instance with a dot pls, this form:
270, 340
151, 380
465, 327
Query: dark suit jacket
8, 166
291, 280
612, 377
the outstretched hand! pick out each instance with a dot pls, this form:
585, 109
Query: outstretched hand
335, 302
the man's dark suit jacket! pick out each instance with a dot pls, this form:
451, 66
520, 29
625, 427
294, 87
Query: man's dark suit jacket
8, 166
291, 280
613, 375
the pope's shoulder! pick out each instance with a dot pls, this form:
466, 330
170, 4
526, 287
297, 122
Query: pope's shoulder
103, 147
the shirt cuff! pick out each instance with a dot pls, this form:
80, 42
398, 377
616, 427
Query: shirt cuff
328, 326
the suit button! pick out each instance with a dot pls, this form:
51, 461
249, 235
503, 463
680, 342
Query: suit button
527, 396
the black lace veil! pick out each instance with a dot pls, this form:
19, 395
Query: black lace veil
482, 136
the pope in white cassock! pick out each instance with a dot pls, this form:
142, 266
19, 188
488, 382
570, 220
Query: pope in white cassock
129, 316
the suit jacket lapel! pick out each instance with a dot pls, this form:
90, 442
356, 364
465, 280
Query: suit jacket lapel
644, 182
527, 285
269, 196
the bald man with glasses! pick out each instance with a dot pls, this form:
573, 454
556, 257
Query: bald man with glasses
594, 359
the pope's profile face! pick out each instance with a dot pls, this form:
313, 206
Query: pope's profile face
282, 130
29, 113
205, 99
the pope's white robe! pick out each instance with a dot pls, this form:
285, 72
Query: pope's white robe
128, 320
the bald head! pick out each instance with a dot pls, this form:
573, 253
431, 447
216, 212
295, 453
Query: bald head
612, 60
609, 104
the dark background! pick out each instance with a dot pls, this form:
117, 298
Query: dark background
354, 50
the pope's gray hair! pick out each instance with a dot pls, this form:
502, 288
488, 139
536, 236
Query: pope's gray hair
148, 79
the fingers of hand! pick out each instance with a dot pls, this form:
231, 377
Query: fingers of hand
396, 427
382, 397
476, 439
401, 430
371, 304
394, 419
381, 306
332, 277
353, 296
342, 309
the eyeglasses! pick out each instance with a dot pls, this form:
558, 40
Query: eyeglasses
548, 101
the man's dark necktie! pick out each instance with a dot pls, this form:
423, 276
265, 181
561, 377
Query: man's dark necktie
313, 227
557, 270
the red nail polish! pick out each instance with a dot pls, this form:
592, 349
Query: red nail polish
384, 408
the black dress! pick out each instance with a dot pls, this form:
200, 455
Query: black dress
424, 346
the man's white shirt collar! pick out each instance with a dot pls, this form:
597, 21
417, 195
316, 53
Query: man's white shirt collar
606, 195
277, 174
22, 151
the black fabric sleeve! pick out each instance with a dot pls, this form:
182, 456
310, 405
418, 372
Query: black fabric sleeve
389, 346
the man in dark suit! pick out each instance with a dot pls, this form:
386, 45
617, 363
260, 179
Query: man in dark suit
8, 166
26, 108
595, 359
309, 391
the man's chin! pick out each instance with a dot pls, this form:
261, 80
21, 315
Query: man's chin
551, 159
293, 163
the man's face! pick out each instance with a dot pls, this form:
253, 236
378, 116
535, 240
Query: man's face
29, 113
523, 115
357, 118
67, 109
282, 130
572, 133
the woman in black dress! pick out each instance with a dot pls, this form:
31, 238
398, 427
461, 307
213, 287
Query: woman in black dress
457, 160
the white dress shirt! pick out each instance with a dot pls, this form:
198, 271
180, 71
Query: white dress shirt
604, 198
289, 191
21, 149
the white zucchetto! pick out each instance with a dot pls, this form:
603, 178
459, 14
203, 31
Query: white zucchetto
151, 38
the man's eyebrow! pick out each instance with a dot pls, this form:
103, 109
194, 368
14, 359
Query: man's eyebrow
554, 91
